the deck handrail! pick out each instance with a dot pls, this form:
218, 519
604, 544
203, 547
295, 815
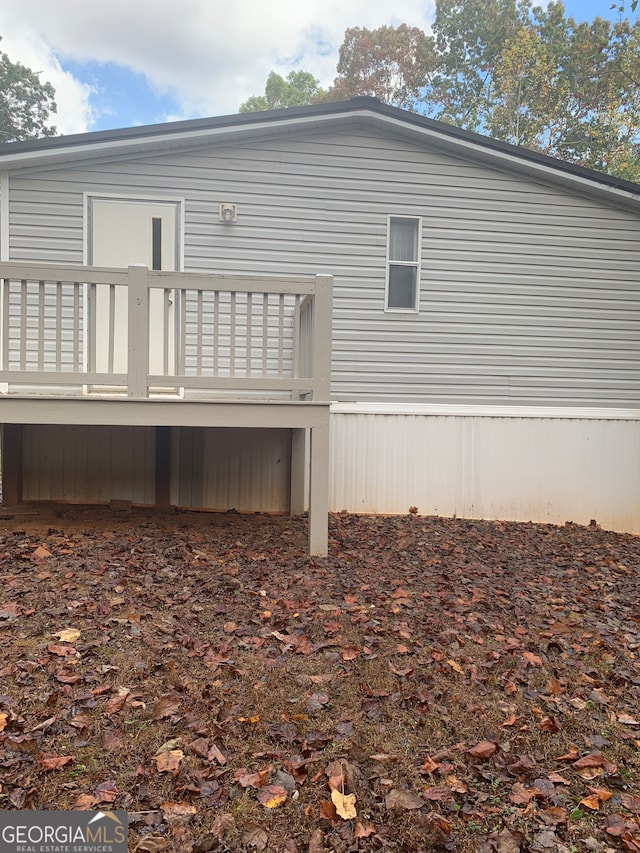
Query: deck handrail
67, 328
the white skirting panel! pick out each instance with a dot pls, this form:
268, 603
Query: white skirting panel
515, 464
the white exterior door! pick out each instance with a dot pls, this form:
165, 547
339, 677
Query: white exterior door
123, 232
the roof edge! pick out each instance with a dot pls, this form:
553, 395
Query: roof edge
110, 138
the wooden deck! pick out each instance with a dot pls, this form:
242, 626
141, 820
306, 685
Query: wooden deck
88, 345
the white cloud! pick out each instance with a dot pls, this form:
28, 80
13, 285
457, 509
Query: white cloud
209, 55
72, 97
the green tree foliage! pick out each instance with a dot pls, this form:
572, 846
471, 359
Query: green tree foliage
538, 79
389, 63
25, 102
579, 97
296, 90
469, 37
529, 76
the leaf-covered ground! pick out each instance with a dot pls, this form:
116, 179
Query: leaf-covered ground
432, 685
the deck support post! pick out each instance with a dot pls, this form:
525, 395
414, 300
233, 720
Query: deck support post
11, 464
319, 490
319, 435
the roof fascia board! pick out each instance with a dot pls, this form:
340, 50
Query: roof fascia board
158, 142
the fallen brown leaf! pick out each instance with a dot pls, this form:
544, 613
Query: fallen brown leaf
437, 793
631, 802
255, 836
67, 635
215, 754
628, 720
316, 842
549, 724
55, 762
166, 706
169, 761
248, 779
106, 792
328, 811
554, 815
591, 802
41, 553
151, 844
223, 824
402, 798
177, 811
272, 796
484, 749
84, 802
116, 703
440, 821
363, 830
520, 795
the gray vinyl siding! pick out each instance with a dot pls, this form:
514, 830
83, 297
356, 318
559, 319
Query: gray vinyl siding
529, 295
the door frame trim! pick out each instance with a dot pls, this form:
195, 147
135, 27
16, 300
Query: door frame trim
89, 195
178, 201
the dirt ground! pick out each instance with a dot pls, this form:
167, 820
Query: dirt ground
433, 684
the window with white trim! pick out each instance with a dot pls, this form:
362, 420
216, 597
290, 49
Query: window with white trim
403, 264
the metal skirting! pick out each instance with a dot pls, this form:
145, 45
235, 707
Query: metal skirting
215, 468
537, 468
552, 468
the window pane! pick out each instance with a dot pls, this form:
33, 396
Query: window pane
402, 287
403, 240
156, 243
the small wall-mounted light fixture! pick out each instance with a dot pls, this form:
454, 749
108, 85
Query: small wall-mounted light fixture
228, 212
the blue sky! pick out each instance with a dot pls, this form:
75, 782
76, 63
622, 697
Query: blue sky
133, 62
586, 10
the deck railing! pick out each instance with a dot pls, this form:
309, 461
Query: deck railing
136, 332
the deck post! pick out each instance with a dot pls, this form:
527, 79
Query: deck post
319, 435
11, 464
138, 319
319, 490
322, 324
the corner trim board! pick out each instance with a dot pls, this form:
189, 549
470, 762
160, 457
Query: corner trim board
4, 216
